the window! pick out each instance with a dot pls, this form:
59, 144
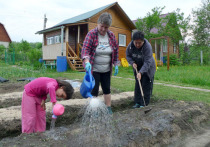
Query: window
50, 40
57, 39
122, 40
165, 46
174, 47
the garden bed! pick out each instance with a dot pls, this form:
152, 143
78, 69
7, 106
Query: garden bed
169, 122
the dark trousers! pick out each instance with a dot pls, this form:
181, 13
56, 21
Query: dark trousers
147, 86
104, 79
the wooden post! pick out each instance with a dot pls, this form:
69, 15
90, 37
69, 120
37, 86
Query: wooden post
161, 52
201, 57
78, 40
156, 50
67, 55
168, 54
62, 31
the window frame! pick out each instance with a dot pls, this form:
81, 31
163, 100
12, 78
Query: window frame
57, 39
165, 49
50, 40
119, 37
174, 47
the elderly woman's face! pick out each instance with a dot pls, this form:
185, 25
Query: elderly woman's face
102, 29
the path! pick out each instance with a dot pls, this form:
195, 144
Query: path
170, 85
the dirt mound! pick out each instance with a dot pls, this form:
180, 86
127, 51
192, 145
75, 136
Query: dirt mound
12, 87
165, 124
169, 123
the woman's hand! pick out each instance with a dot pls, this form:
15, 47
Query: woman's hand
87, 65
138, 76
134, 65
43, 105
53, 103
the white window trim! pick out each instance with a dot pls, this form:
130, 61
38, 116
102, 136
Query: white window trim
50, 40
165, 48
57, 39
174, 47
124, 41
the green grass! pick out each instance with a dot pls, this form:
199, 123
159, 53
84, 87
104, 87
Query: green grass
192, 76
15, 72
165, 92
195, 76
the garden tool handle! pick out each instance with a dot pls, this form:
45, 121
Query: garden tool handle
142, 93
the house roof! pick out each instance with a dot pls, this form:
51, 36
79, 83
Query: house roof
85, 16
4, 36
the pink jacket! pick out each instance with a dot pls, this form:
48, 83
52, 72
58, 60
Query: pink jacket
40, 87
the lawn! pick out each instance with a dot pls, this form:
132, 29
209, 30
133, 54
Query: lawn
192, 76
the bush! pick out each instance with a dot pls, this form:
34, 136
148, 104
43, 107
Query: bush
173, 59
2, 52
34, 56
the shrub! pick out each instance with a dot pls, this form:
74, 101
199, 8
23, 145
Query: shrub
34, 56
173, 59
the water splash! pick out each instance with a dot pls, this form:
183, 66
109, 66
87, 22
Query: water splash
97, 127
52, 125
56, 133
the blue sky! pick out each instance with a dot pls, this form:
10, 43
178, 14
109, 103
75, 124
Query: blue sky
23, 18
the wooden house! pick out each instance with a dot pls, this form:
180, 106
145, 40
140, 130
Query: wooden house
66, 38
4, 36
162, 46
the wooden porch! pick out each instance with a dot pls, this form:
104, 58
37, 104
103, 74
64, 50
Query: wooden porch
74, 59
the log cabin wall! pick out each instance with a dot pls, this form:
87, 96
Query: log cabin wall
118, 27
51, 34
73, 37
83, 32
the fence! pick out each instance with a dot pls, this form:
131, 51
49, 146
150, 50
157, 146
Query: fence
199, 57
12, 57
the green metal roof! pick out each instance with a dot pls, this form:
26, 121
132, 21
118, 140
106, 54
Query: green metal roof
82, 16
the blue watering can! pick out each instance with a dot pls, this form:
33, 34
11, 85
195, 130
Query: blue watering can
87, 85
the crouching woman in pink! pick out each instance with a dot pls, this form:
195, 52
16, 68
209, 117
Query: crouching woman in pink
33, 101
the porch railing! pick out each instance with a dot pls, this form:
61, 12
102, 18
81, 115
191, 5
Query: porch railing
70, 52
73, 59
79, 49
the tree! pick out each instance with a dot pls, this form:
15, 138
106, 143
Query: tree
20, 47
24, 46
201, 26
152, 20
176, 26
201, 30
170, 25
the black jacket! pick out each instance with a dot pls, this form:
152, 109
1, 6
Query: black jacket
148, 66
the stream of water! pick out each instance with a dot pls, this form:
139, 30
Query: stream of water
52, 125
97, 127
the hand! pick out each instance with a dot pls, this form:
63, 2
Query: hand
134, 65
43, 105
53, 104
116, 70
138, 76
87, 66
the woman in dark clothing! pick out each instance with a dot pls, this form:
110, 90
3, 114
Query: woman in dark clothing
139, 55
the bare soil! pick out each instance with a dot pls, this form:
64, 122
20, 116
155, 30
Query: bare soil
169, 123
